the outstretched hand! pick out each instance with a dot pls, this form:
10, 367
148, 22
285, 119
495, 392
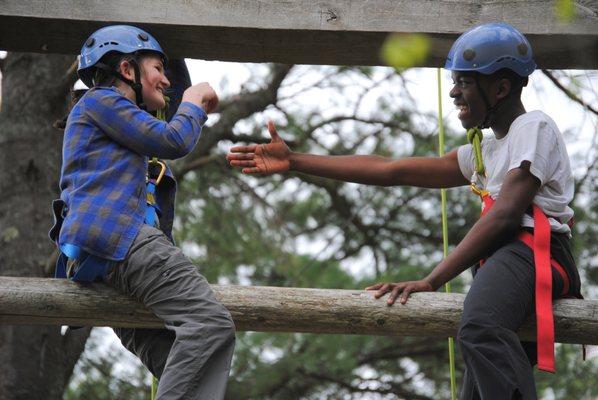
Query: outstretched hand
267, 158
401, 288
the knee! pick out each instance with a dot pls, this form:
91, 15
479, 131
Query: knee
228, 325
222, 329
219, 321
471, 331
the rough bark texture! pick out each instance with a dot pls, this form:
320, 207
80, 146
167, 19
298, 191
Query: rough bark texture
275, 309
37, 361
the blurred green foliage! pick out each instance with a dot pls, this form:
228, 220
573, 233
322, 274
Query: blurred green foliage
565, 10
405, 50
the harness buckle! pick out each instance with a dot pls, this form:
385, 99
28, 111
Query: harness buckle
474, 187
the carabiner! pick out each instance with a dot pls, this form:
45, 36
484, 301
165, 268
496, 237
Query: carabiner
474, 187
155, 161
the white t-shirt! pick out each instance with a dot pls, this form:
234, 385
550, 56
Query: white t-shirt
532, 137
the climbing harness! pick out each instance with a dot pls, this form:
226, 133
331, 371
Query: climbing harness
152, 211
539, 242
156, 170
73, 262
78, 265
447, 286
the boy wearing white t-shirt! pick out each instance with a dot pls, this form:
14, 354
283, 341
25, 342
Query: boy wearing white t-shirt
523, 175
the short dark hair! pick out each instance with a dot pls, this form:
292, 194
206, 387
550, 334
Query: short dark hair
517, 81
112, 59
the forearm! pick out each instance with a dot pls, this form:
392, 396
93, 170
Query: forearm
139, 131
368, 170
427, 172
488, 234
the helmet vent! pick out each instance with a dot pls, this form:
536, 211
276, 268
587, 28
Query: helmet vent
522, 49
502, 59
108, 43
469, 54
143, 37
90, 42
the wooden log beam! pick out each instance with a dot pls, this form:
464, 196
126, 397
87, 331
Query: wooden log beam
344, 32
273, 309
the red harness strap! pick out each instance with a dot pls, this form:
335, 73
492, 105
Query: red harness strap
539, 242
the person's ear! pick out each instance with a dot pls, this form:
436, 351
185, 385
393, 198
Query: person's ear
504, 88
126, 69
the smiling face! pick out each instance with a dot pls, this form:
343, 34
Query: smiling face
468, 99
154, 82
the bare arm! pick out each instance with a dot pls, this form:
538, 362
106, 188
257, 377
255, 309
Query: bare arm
276, 157
499, 225
430, 172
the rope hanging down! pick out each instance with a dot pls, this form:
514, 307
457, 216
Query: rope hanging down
447, 286
161, 115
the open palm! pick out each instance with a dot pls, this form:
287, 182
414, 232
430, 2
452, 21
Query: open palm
266, 159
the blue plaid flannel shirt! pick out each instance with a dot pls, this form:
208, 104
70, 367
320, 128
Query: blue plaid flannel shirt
107, 143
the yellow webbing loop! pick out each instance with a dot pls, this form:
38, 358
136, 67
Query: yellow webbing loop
447, 286
475, 136
161, 115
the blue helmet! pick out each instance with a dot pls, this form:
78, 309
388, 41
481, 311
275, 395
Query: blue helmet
124, 39
490, 47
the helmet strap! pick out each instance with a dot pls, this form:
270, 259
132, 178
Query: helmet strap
135, 85
490, 110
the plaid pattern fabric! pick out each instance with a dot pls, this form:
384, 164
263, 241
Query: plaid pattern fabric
107, 143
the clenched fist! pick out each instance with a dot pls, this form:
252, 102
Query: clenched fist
202, 95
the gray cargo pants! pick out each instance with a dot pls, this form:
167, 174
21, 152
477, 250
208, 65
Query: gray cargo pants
191, 357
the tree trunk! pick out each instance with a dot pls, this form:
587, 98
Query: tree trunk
37, 361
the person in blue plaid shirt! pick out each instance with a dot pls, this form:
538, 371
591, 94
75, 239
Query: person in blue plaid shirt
107, 226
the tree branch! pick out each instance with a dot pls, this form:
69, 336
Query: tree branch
353, 388
569, 94
424, 347
196, 164
254, 139
341, 118
588, 173
235, 109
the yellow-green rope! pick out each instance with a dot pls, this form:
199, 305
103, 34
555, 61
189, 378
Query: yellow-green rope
447, 286
161, 115
154, 387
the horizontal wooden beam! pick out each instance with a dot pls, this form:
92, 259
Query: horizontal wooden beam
344, 32
273, 309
